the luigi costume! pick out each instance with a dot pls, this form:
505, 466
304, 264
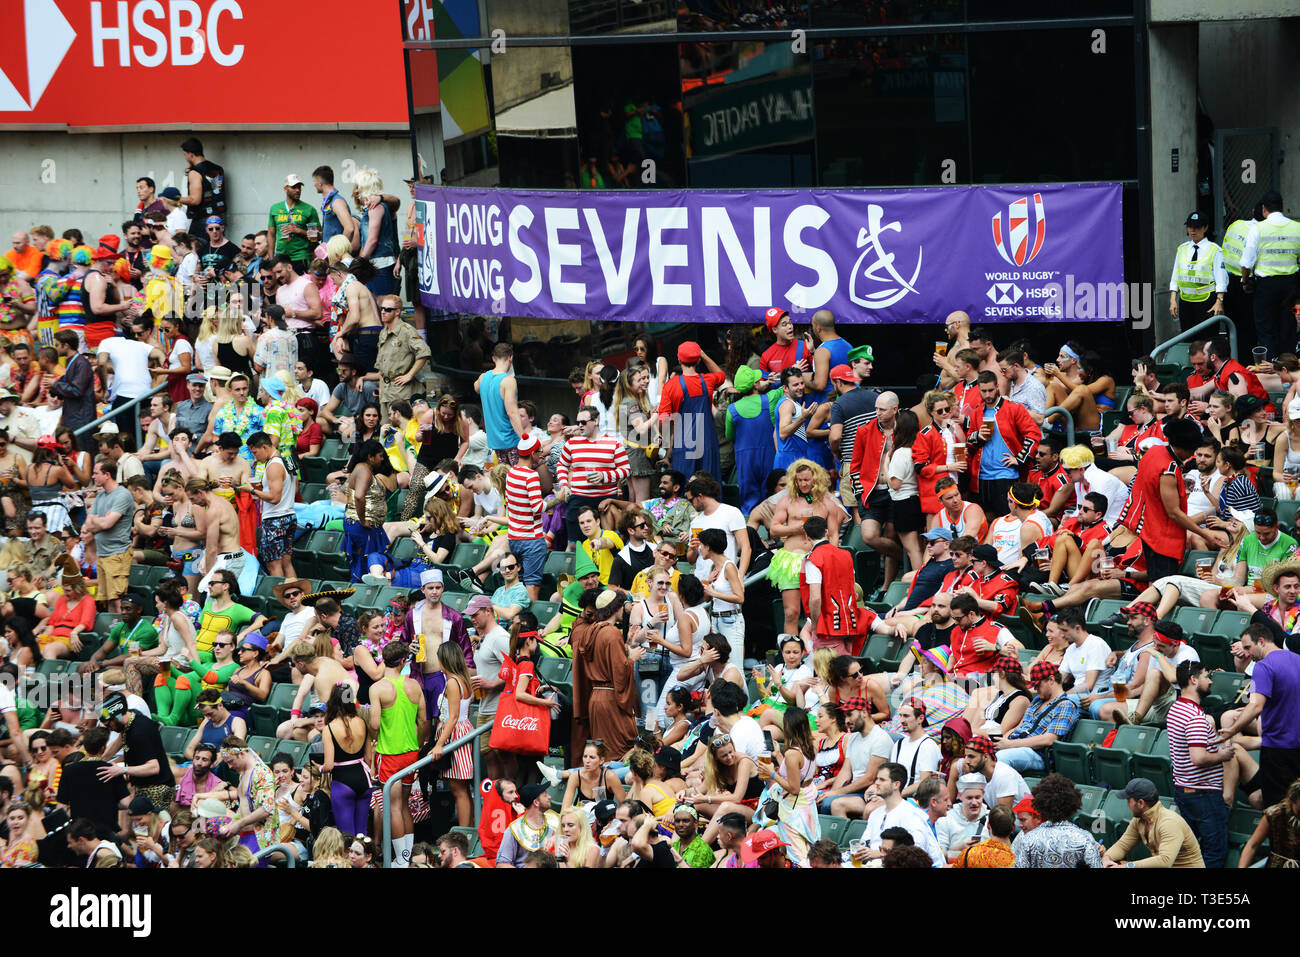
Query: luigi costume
751, 425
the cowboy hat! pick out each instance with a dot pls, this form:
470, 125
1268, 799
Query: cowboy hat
338, 594
300, 583
1268, 580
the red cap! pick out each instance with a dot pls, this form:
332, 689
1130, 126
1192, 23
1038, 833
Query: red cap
1026, 806
1141, 608
856, 703
688, 352
982, 745
773, 316
1009, 663
758, 844
107, 248
844, 374
1043, 671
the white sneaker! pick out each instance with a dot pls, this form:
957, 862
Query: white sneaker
549, 773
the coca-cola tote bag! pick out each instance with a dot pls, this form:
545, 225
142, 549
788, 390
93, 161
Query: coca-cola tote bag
519, 728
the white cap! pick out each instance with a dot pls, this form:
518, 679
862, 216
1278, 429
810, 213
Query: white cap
293, 179
1293, 409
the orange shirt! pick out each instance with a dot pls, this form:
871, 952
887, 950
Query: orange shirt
28, 262
986, 853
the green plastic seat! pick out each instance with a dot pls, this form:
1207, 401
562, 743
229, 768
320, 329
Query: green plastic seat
456, 600
1226, 684
175, 739
1090, 732
1157, 768
1242, 821
280, 700
854, 831
544, 610
1191, 558
468, 554
882, 647
55, 666
300, 751
265, 747
312, 492
1195, 621
404, 551
834, 828
1215, 650
1073, 760
471, 835
556, 671
559, 563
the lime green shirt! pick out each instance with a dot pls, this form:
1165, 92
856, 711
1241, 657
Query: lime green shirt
132, 641
399, 732
1257, 557
295, 247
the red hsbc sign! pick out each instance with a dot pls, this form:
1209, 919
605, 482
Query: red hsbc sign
152, 63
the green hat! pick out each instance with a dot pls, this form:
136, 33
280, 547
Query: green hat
583, 565
861, 352
745, 378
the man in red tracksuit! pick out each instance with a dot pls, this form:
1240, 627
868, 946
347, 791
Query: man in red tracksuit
826, 584
1000, 446
977, 641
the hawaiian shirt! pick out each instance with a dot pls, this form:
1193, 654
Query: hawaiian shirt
250, 419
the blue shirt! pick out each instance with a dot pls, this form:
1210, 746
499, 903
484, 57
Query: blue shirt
991, 466
508, 595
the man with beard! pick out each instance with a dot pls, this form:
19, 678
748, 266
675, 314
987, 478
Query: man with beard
1002, 783
1131, 664
865, 752
932, 629
199, 779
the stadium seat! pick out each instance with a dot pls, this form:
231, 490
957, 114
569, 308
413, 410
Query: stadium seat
1226, 684
1114, 817
1073, 760
261, 720
556, 671
404, 551
176, 739
1157, 768
882, 648
55, 666
105, 621
559, 563
312, 492
1191, 558
471, 835
456, 600
1091, 806
1090, 732
1195, 621
300, 751
1111, 766
363, 598
468, 554
544, 610
314, 470
333, 449
1215, 650
265, 747
280, 700
1099, 609
1230, 624
896, 592
834, 828
854, 831
1286, 512
1242, 821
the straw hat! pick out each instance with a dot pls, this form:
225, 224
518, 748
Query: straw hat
1268, 580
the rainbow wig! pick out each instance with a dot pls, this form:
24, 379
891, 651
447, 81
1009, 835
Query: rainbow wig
82, 256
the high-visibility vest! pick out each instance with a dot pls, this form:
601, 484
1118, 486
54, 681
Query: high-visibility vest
1195, 279
1234, 243
1279, 247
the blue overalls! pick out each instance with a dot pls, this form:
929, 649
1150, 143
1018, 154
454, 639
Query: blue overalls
695, 440
754, 453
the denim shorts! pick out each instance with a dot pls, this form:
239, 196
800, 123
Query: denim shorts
531, 553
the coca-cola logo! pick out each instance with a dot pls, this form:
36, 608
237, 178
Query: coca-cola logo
520, 724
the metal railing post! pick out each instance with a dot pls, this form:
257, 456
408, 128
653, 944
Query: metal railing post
1069, 421
289, 853
411, 769
1165, 346
114, 412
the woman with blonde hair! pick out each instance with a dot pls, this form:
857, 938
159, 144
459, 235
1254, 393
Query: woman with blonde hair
454, 724
234, 349
205, 341
577, 847
329, 851
635, 424
74, 612
379, 242
209, 853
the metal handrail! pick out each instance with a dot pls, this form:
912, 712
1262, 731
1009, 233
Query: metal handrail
289, 853
412, 768
1190, 333
114, 412
1069, 421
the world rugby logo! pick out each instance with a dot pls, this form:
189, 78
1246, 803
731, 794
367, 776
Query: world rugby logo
1013, 240
519, 723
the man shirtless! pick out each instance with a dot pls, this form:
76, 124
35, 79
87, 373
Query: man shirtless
227, 468
790, 513
221, 548
429, 623
320, 675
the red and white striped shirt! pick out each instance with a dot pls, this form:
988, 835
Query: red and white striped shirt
605, 456
523, 503
1190, 727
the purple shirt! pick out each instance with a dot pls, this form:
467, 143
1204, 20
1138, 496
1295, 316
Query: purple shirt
1277, 677
453, 622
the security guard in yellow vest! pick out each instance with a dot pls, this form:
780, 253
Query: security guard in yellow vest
1238, 302
1200, 279
1270, 260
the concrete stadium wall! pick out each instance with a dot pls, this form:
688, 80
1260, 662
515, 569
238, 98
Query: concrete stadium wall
87, 180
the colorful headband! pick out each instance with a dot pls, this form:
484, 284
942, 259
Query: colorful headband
688, 808
1030, 504
1070, 352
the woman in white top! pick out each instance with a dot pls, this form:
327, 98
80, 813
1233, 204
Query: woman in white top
687, 625
1286, 455
904, 493
723, 586
176, 637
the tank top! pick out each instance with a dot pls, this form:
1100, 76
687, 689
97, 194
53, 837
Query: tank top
701, 615
1005, 534
721, 607
839, 350
830, 758
294, 296
287, 494
997, 708
72, 306
385, 251
330, 225
500, 433
214, 734
466, 699
397, 728
232, 360
213, 199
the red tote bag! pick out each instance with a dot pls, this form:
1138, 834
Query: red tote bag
520, 728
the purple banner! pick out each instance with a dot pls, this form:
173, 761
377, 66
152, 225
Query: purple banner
1003, 254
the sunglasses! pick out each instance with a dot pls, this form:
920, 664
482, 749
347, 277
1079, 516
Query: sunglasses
390, 309
508, 568
599, 741
644, 525
584, 422
719, 740
292, 594
223, 644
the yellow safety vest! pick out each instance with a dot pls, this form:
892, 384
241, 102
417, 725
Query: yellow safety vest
1234, 243
1195, 279
1279, 247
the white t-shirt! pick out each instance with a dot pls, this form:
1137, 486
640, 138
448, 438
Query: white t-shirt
925, 752
747, 737
181, 348
291, 625
1006, 781
7, 701
726, 517
901, 467
1078, 660
319, 392
954, 830
860, 749
130, 360
911, 817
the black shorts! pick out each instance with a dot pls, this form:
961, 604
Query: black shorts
1278, 767
1159, 566
878, 507
1128, 591
907, 514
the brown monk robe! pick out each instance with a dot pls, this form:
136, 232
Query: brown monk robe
605, 699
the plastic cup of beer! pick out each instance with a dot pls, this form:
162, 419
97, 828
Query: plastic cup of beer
1259, 354
941, 346
1098, 442
1112, 444
858, 852
1044, 558
959, 452
1203, 566
1120, 690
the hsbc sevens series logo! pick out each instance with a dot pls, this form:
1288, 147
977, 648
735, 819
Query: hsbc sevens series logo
1013, 240
28, 65
865, 269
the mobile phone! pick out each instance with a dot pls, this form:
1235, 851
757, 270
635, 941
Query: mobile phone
767, 741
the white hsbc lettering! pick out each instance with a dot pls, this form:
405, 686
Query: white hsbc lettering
172, 31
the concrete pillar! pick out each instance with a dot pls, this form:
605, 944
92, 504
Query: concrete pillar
1173, 70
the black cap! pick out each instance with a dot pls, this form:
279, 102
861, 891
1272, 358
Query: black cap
604, 811
114, 706
530, 793
1194, 218
141, 805
669, 757
1142, 789
986, 553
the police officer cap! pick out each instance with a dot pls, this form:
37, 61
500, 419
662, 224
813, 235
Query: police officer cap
1195, 219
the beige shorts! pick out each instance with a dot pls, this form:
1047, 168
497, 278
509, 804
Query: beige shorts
1190, 589
483, 738
114, 576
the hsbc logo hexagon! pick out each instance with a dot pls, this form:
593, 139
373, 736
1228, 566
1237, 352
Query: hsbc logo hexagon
30, 53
